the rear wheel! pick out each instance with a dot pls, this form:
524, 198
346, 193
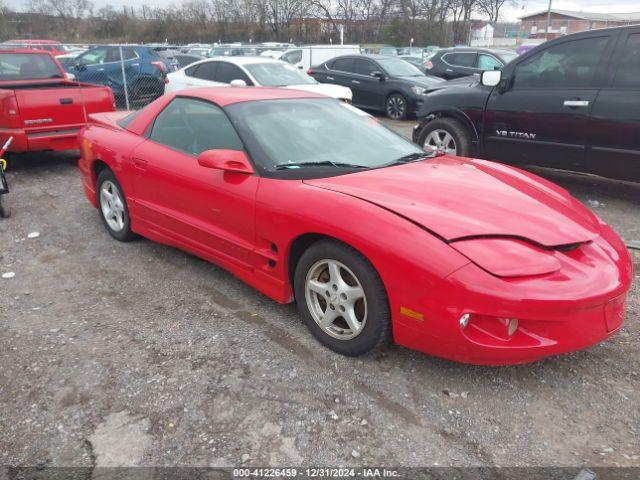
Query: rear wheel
445, 135
342, 299
112, 206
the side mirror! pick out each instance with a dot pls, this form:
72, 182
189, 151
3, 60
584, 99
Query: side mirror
79, 67
377, 74
490, 78
227, 160
70, 76
238, 83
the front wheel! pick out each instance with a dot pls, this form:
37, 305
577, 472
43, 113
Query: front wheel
112, 206
396, 107
342, 299
445, 135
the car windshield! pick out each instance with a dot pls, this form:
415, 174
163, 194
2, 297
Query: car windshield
302, 133
27, 66
399, 68
278, 75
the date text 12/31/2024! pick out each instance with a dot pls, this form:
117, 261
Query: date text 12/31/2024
317, 472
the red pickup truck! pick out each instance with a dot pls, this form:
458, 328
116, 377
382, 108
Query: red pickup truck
40, 107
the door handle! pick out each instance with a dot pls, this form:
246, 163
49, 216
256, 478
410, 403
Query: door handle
330, 78
100, 70
355, 81
66, 101
140, 164
448, 70
135, 64
576, 103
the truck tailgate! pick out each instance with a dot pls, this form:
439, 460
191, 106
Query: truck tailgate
56, 107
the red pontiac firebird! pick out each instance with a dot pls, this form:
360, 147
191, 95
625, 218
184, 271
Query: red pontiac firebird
309, 199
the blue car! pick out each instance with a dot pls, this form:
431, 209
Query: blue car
144, 70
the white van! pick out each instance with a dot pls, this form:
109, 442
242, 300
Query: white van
311, 55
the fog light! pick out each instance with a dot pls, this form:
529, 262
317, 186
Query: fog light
464, 320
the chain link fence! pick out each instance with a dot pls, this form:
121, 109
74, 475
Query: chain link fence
136, 74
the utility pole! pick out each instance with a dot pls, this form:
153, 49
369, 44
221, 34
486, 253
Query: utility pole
548, 21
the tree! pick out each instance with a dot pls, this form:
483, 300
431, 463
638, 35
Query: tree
71, 12
491, 8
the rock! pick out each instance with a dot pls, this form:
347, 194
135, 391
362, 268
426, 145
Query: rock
33, 235
355, 453
464, 394
364, 422
245, 457
54, 330
333, 415
8, 275
449, 393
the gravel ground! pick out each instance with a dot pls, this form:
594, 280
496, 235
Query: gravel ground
128, 354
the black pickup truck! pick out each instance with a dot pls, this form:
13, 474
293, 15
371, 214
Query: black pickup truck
571, 103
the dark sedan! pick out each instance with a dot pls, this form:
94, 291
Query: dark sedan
459, 62
379, 82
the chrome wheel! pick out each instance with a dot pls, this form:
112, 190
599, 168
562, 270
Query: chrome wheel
396, 107
336, 299
440, 141
112, 206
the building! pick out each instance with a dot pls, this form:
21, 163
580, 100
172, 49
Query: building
563, 22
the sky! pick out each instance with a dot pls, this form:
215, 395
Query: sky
509, 13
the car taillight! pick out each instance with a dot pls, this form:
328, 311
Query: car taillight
160, 66
428, 65
9, 113
310, 71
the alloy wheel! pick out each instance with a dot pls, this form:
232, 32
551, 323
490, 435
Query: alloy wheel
441, 141
112, 206
336, 299
396, 106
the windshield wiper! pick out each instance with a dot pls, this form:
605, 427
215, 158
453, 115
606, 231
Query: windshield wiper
326, 163
412, 157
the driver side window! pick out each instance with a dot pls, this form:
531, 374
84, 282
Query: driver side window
571, 64
192, 126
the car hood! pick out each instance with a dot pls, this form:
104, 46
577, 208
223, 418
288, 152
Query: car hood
427, 82
458, 198
335, 91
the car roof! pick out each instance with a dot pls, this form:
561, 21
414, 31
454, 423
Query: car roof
224, 96
245, 60
371, 56
497, 51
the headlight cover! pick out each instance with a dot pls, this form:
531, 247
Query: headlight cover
506, 257
418, 90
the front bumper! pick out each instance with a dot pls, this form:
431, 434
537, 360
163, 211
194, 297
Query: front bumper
579, 306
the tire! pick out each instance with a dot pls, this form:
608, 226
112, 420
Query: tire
5, 211
448, 126
144, 91
328, 300
119, 224
396, 107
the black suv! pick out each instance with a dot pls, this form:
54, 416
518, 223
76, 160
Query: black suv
379, 82
572, 103
457, 62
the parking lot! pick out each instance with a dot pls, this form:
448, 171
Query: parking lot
126, 354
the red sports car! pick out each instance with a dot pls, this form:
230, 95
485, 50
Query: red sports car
309, 199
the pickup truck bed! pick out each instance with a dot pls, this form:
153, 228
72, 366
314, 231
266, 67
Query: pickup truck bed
44, 113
